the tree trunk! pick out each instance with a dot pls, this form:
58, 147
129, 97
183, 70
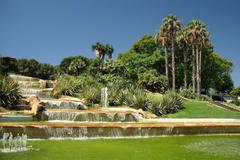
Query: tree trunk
193, 70
185, 70
166, 64
200, 70
197, 61
173, 66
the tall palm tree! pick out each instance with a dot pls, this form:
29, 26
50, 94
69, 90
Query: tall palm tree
198, 36
161, 37
182, 39
109, 51
171, 25
100, 51
191, 31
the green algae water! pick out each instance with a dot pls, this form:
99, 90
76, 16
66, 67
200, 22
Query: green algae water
219, 147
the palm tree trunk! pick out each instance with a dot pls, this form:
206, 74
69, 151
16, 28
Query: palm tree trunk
200, 70
193, 70
166, 64
173, 66
185, 70
197, 61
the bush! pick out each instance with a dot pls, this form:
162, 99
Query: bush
67, 85
169, 103
136, 98
236, 102
90, 90
117, 95
188, 94
151, 80
9, 95
205, 98
235, 91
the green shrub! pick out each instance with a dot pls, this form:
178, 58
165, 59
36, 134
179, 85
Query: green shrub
67, 85
151, 80
236, 102
188, 94
235, 91
91, 90
205, 98
171, 102
9, 95
136, 98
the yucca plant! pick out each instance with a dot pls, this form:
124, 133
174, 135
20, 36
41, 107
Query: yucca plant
136, 98
171, 102
9, 94
67, 85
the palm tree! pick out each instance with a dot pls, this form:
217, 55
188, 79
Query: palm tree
198, 36
109, 51
182, 39
191, 31
171, 25
100, 51
162, 38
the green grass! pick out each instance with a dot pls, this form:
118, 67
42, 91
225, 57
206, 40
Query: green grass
161, 148
195, 109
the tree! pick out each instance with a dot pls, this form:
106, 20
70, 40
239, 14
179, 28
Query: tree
145, 45
198, 37
28, 67
70, 66
77, 66
151, 81
182, 39
171, 25
100, 51
235, 91
109, 51
8, 65
162, 38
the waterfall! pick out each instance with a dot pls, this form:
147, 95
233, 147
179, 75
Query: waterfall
104, 97
67, 115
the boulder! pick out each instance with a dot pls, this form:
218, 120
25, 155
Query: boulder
36, 105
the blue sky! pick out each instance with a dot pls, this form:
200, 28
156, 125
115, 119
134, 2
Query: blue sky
49, 30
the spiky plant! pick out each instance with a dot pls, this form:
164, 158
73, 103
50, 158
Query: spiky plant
9, 94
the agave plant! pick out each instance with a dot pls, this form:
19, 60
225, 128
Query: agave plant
171, 102
136, 98
67, 85
9, 94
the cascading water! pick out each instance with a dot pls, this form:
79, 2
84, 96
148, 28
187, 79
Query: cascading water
67, 115
104, 97
14, 144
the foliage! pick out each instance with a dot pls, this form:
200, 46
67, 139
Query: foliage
67, 85
8, 65
236, 102
145, 45
188, 94
74, 65
9, 95
28, 67
77, 66
168, 103
205, 98
31, 67
136, 98
117, 94
151, 80
235, 91
90, 90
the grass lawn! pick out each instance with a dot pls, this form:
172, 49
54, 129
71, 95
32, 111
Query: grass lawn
194, 109
161, 148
